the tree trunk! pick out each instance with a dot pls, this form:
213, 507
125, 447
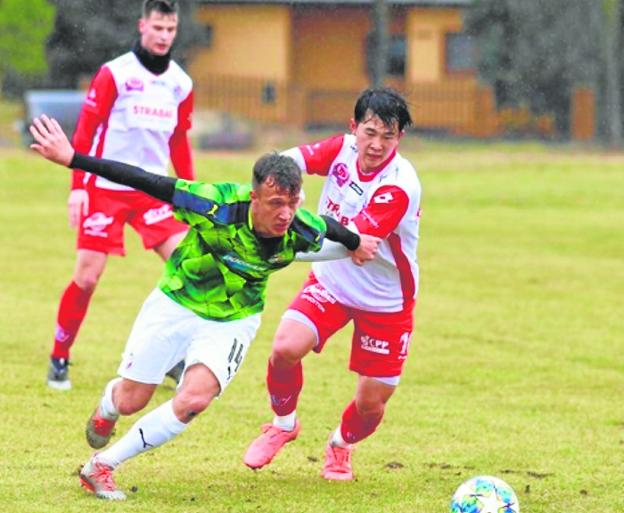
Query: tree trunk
380, 60
612, 15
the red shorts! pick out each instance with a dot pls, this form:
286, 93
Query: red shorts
380, 340
102, 229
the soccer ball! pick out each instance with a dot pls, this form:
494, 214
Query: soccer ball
485, 494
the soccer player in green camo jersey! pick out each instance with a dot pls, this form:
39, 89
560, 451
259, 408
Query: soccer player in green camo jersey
207, 306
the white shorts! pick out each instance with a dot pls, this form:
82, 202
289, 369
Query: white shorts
165, 332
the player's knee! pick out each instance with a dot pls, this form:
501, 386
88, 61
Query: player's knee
283, 356
370, 408
288, 351
87, 279
128, 405
192, 404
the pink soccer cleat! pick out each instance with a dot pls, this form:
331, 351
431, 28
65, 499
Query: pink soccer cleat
99, 429
97, 477
338, 463
264, 448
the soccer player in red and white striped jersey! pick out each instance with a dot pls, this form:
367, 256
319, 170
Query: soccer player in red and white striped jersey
372, 189
137, 111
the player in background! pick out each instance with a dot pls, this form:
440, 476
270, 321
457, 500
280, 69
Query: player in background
206, 308
371, 188
138, 110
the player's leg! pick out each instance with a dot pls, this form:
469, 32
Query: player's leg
100, 233
72, 310
379, 348
313, 316
360, 419
159, 231
214, 352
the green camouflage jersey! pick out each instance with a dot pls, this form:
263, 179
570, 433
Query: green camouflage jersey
220, 269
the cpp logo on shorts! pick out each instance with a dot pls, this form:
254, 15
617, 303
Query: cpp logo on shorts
134, 84
341, 173
96, 224
374, 345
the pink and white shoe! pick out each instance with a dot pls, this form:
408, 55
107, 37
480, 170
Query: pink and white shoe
264, 448
338, 463
97, 478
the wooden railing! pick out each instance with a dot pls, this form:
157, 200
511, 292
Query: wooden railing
458, 107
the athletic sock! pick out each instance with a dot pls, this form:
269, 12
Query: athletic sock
336, 439
150, 431
107, 406
71, 312
284, 387
355, 427
285, 422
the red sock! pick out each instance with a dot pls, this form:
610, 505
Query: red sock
71, 313
355, 427
284, 387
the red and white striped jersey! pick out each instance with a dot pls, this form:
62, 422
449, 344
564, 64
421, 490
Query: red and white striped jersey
385, 204
134, 116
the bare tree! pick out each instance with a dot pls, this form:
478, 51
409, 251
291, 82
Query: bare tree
380, 42
612, 10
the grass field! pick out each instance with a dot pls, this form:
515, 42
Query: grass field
516, 369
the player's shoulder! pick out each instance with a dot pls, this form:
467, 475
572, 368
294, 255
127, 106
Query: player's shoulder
403, 173
182, 77
122, 61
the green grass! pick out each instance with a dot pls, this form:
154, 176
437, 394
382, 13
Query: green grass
516, 369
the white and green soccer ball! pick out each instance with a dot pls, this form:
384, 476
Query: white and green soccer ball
485, 494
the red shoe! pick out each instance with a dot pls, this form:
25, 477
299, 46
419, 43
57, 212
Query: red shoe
264, 448
99, 430
98, 478
338, 463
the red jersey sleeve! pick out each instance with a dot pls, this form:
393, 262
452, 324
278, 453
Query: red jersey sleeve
95, 111
319, 156
384, 211
179, 144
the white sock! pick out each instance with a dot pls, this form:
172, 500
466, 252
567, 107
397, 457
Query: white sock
150, 431
285, 422
107, 406
337, 440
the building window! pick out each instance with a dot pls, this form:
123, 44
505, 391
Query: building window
396, 55
460, 53
207, 36
395, 58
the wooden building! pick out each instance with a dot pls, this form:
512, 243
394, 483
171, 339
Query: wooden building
303, 62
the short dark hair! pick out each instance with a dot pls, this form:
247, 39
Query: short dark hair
385, 103
283, 171
161, 6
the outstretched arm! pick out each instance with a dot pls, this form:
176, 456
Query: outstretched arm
361, 247
52, 144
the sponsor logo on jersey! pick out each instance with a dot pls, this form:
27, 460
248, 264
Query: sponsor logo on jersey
374, 345
383, 198
341, 173
134, 84
157, 112
239, 264
358, 190
96, 224
155, 215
